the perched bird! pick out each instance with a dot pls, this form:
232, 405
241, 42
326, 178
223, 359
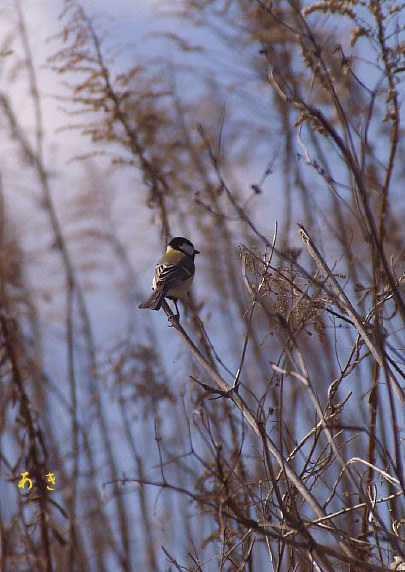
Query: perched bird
174, 273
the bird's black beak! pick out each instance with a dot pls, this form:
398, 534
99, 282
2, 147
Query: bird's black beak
197, 252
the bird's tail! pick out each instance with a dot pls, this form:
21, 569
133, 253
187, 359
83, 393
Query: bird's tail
154, 302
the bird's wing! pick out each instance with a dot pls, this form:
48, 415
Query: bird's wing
168, 274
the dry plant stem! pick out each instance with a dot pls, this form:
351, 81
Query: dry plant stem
270, 531
394, 95
345, 465
35, 443
228, 392
371, 344
344, 144
358, 506
35, 156
2, 243
73, 549
153, 177
345, 302
244, 217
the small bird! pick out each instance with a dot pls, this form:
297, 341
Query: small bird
174, 273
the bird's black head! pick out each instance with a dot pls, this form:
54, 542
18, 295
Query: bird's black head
184, 245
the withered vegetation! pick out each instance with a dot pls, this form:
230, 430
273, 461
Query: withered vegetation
264, 429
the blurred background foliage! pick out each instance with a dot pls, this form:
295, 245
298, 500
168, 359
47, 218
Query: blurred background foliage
245, 118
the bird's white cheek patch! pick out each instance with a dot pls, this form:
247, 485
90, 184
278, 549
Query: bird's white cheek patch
188, 249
